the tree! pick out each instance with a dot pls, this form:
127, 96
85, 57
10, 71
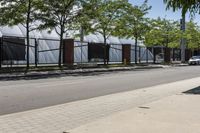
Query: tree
193, 6
107, 14
15, 12
163, 33
59, 15
184, 6
192, 35
134, 24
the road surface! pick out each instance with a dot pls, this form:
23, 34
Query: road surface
23, 95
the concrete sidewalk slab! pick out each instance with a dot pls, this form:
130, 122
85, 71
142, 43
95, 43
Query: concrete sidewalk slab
65, 117
175, 114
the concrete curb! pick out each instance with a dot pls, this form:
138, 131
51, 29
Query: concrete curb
69, 72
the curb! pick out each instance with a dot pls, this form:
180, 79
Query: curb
17, 76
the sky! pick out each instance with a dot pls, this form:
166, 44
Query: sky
159, 10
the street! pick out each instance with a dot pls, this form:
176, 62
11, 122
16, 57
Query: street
23, 95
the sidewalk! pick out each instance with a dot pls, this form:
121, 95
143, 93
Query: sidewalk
174, 114
137, 107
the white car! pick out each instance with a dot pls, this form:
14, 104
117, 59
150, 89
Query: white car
194, 60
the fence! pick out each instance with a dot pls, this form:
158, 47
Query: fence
13, 52
48, 51
163, 54
80, 52
141, 55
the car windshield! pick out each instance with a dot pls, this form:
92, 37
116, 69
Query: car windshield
195, 57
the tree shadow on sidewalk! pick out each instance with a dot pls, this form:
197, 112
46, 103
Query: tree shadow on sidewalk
195, 91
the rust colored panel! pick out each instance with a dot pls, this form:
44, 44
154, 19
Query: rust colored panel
68, 52
126, 53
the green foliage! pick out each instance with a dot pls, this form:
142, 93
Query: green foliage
105, 16
58, 15
193, 35
167, 33
134, 24
163, 33
185, 5
15, 12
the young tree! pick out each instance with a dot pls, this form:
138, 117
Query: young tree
134, 24
107, 14
59, 15
15, 12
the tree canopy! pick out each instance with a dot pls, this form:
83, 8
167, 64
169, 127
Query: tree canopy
167, 33
193, 35
163, 33
185, 5
107, 14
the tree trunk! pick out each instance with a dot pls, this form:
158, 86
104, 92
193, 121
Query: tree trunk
27, 33
60, 48
136, 43
105, 50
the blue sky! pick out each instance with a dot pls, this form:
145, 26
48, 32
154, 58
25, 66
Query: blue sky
159, 10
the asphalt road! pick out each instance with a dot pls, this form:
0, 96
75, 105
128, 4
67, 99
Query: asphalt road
23, 95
